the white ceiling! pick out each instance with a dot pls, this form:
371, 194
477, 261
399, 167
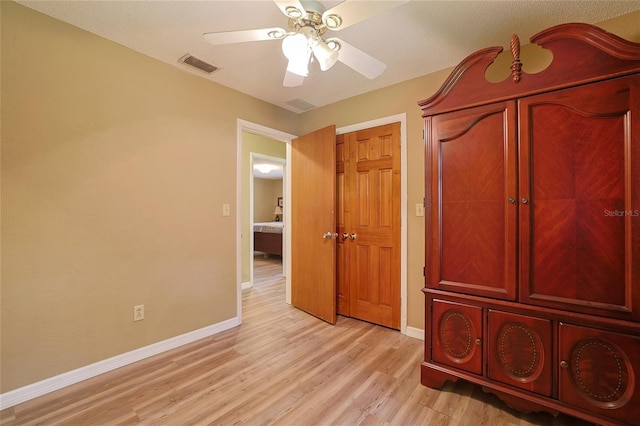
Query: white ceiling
413, 39
276, 168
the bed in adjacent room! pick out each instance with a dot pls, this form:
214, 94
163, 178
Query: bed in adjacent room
267, 237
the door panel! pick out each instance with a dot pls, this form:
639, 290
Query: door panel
580, 226
313, 193
473, 201
372, 199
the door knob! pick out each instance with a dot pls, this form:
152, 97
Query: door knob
512, 200
524, 201
327, 235
344, 236
352, 236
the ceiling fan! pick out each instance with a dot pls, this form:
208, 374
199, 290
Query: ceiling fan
304, 42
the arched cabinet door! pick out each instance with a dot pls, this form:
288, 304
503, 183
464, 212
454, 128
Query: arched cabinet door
457, 335
520, 351
598, 372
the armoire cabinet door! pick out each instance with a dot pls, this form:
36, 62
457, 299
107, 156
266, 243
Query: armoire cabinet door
472, 161
580, 199
520, 351
456, 331
598, 371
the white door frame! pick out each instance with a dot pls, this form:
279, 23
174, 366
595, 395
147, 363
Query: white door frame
246, 126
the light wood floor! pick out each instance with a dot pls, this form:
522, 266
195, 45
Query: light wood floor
281, 367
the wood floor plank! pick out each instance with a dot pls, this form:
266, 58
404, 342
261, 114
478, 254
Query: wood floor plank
280, 367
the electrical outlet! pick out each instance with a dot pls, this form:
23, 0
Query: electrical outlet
419, 210
226, 210
138, 312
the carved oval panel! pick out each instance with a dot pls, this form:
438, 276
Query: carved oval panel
456, 335
602, 373
520, 352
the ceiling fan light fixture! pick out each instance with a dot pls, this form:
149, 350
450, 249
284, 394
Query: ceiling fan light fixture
297, 49
333, 45
299, 66
295, 46
326, 56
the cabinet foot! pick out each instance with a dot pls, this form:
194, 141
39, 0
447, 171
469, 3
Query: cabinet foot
434, 379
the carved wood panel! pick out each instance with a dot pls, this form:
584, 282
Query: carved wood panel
457, 335
520, 351
597, 372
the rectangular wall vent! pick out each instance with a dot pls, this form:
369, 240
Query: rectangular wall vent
198, 63
300, 104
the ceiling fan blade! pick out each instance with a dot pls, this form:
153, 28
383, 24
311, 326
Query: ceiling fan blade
353, 11
284, 6
361, 62
292, 80
242, 36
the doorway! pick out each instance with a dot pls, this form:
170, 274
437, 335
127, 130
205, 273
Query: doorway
243, 126
266, 217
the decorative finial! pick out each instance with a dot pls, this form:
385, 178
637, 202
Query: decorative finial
516, 65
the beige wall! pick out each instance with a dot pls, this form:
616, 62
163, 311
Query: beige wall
114, 171
403, 98
257, 144
265, 198
115, 167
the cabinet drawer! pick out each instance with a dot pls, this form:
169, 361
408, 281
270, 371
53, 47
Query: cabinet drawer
457, 335
598, 371
520, 351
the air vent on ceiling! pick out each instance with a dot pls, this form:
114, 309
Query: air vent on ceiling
198, 63
300, 104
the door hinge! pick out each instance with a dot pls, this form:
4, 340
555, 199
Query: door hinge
424, 202
423, 135
424, 271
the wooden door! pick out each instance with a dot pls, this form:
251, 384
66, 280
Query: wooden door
579, 199
473, 201
313, 248
369, 224
342, 211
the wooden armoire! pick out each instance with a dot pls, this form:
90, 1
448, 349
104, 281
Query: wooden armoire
533, 228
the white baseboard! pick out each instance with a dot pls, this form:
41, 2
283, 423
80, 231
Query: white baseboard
246, 285
26, 393
416, 333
